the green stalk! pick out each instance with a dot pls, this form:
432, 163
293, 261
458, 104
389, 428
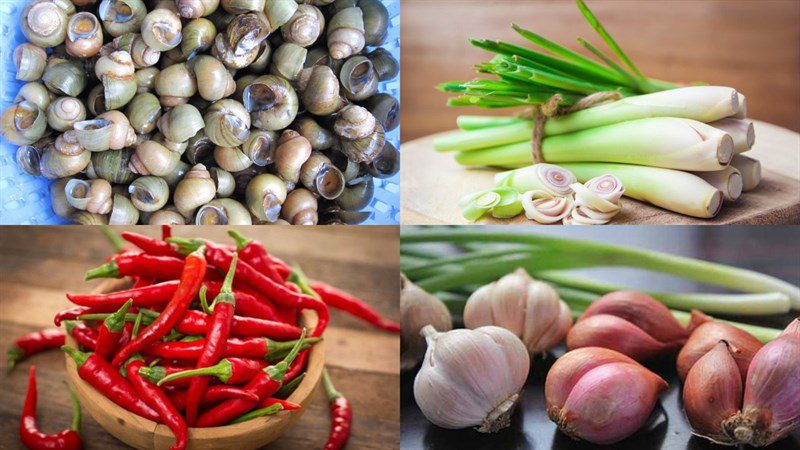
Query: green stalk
694, 269
468, 123
601, 30
484, 138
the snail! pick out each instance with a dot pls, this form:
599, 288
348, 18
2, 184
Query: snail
386, 66
346, 33
121, 16
192, 9
146, 79
272, 102
386, 164
214, 82
143, 112
279, 12
198, 35
386, 109
358, 78
65, 78
227, 123
319, 137
199, 149
175, 84
122, 211
260, 147
223, 211
180, 123
92, 196
23, 123
304, 27
288, 60
196, 189
293, 150
152, 158
84, 35
231, 159
116, 71
54, 164
44, 23
361, 136
161, 29
142, 55
28, 157
177, 174
149, 193
265, 195
64, 112
358, 196
30, 61
223, 180
35, 93
113, 166
300, 208
321, 93
322, 177
58, 200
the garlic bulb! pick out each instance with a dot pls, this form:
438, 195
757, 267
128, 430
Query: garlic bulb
600, 395
633, 324
545, 207
597, 201
417, 309
471, 378
530, 309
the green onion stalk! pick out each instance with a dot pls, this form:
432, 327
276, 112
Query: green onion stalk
541, 254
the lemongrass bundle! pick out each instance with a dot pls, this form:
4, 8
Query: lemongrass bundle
729, 181
741, 131
674, 190
750, 169
658, 142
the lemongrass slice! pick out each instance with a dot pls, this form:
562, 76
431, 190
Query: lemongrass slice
546, 208
601, 193
750, 169
701, 103
509, 205
742, 132
583, 215
729, 181
474, 206
549, 178
673, 190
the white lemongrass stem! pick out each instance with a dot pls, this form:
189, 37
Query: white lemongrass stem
484, 138
750, 169
729, 181
674, 190
742, 132
742, 113
667, 142
549, 178
701, 103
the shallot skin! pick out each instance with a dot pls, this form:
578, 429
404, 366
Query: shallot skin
616, 334
743, 346
601, 396
771, 408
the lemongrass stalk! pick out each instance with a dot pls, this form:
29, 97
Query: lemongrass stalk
740, 304
742, 113
694, 269
750, 169
728, 180
677, 191
549, 178
666, 142
742, 132
468, 123
484, 138
430, 267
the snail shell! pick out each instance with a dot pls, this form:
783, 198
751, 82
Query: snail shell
64, 112
279, 12
321, 177
192, 9
84, 35
58, 200
149, 193
231, 159
30, 61
305, 26
161, 29
67, 143
198, 35
54, 164
264, 196
121, 16
260, 147
93, 196
35, 93
113, 166
300, 208
196, 189
214, 82
346, 33
223, 211
23, 123
166, 216
175, 84
181, 123
227, 123
293, 150
142, 55
65, 78
143, 112
152, 158
123, 212
321, 93
44, 23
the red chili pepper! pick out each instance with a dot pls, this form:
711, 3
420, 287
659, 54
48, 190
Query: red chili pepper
234, 347
247, 304
216, 337
341, 415
34, 342
29, 432
297, 367
196, 322
71, 314
213, 394
139, 265
143, 297
264, 384
192, 277
355, 306
159, 401
151, 246
253, 253
166, 232
140, 282
111, 331
278, 292
102, 376
287, 406
85, 337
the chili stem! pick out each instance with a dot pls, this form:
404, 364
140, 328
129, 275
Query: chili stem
113, 238
268, 411
76, 409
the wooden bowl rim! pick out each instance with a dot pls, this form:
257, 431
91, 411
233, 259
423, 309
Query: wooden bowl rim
301, 395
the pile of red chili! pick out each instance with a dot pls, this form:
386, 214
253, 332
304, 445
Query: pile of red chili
208, 335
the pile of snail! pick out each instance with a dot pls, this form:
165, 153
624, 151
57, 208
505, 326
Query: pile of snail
205, 111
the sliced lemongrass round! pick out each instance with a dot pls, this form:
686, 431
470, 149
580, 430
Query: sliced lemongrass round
475, 205
582, 215
587, 197
538, 177
545, 208
509, 205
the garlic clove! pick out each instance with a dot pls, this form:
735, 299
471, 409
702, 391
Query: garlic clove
646, 313
569, 368
617, 334
743, 346
610, 402
417, 309
471, 378
548, 324
771, 407
712, 393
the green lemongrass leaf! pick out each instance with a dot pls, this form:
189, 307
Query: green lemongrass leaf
612, 44
469, 123
633, 82
423, 269
452, 86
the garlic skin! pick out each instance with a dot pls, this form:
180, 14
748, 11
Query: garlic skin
743, 346
471, 378
632, 323
771, 407
712, 394
600, 395
417, 309
530, 309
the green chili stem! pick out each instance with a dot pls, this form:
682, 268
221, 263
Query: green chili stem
221, 370
76, 409
330, 389
240, 239
107, 270
114, 239
286, 390
268, 411
299, 278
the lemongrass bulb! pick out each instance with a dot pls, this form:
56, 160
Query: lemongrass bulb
742, 132
728, 181
771, 407
599, 395
750, 169
471, 378
545, 208
530, 309
418, 309
549, 178
742, 112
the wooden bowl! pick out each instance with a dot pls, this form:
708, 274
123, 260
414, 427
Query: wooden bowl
142, 433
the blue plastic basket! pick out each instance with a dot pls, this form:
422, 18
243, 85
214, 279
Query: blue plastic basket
25, 200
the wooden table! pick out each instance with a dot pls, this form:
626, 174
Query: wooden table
753, 46
39, 264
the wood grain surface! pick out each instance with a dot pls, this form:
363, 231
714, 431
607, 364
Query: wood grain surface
426, 201
39, 264
751, 45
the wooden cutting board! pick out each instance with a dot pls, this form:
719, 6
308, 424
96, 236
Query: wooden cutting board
432, 183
